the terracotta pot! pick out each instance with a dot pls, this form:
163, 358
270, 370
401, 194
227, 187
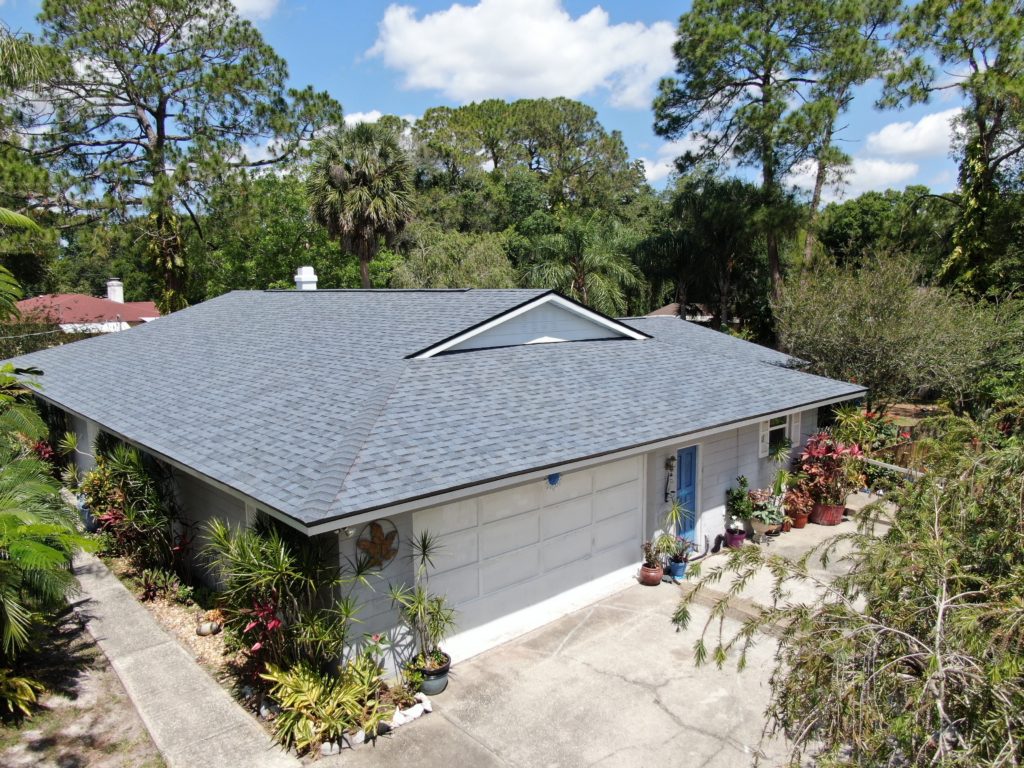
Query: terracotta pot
651, 577
827, 514
799, 520
787, 525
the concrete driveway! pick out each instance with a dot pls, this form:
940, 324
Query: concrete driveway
611, 685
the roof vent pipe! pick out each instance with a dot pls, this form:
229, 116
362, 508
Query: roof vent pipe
305, 279
115, 290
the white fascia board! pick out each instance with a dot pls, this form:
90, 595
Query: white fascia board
548, 298
446, 497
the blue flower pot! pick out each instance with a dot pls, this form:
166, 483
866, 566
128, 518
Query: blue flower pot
677, 570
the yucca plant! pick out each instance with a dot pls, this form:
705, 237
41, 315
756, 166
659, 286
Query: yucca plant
280, 593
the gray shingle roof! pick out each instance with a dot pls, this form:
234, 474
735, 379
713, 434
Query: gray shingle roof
305, 401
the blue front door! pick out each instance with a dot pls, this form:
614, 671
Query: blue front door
686, 492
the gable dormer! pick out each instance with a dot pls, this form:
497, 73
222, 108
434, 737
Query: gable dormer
547, 319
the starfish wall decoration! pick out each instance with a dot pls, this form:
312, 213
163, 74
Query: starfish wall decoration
380, 547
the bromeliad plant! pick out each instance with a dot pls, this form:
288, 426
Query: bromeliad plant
317, 708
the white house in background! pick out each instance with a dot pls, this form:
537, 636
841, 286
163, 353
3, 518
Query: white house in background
79, 313
542, 442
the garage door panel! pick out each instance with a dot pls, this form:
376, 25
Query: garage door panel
566, 549
571, 485
495, 506
618, 556
459, 585
616, 530
459, 549
617, 500
458, 516
566, 517
536, 541
506, 535
616, 473
500, 572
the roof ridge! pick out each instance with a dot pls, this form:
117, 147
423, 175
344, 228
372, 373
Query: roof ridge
400, 369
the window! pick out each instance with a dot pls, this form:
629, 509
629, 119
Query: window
778, 434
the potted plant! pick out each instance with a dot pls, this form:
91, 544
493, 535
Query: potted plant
735, 533
651, 571
830, 468
429, 618
798, 504
739, 508
767, 516
677, 549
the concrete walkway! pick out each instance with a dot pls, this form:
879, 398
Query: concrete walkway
193, 721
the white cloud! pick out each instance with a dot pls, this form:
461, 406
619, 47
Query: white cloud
929, 136
659, 167
256, 9
525, 48
867, 174
354, 118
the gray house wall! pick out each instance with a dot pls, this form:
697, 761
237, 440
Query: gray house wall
200, 502
721, 459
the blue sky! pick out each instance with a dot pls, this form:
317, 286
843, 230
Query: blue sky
401, 58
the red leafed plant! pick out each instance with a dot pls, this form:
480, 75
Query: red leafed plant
829, 466
266, 624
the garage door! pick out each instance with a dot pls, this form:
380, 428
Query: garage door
505, 551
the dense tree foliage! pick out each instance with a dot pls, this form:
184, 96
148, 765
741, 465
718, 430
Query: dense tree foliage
147, 104
982, 45
764, 83
913, 657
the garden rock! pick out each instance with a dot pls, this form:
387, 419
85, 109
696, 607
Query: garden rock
359, 737
399, 719
208, 628
330, 748
269, 710
414, 712
424, 700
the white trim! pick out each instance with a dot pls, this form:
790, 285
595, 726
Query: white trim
548, 298
479, 639
447, 496
643, 497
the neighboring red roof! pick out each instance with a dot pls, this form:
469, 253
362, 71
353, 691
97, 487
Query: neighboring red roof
79, 308
668, 309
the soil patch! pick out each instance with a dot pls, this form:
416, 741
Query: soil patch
85, 719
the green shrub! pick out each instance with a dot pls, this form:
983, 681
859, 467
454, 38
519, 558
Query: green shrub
132, 502
18, 694
280, 593
318, 707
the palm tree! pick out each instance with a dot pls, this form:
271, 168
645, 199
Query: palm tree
38, 535
360, 189
586, 259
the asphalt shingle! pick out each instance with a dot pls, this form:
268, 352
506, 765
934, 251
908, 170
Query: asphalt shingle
306, 401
